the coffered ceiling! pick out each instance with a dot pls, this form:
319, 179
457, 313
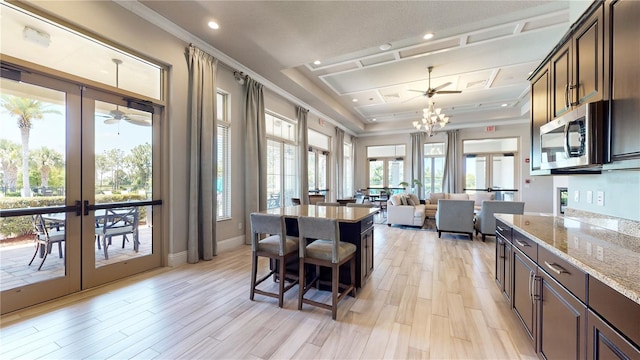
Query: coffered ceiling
372, 54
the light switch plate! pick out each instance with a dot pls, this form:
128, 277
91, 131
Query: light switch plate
589, 197
600, 198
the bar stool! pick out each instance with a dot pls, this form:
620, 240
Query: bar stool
328, 251
275, 246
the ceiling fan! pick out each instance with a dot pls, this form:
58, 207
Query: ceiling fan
115, 115
432, 91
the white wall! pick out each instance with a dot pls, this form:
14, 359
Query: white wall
621, 190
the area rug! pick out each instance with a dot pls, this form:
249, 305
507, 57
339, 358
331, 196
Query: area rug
429, 225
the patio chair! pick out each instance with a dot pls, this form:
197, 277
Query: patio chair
45, 238
117, 222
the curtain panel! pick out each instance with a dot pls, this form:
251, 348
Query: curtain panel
303, 146
255, 179
417, 160
202, 123
354, 163
449, 180
339, 163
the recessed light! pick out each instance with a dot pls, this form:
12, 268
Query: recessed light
374, 119
214, 25
504, 105
427, 36
354, 100
385, 47
317, 62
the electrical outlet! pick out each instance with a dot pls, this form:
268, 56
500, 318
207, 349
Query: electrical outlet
600, 198
589, 197
589, 251
599, 253
576, 195
240, 226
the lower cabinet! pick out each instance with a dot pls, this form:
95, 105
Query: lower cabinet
366, 244
604, 342
503, 266
562, 321
523, 298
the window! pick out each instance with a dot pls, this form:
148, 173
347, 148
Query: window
282, 161
223, 181
491, 163
386, 165
433, 167
347, 181
318, 159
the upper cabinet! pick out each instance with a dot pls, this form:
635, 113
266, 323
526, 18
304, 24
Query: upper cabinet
624, 42
577, 67
596, 60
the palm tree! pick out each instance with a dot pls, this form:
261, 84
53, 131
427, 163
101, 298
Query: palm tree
25, 110
45, 159
9, 161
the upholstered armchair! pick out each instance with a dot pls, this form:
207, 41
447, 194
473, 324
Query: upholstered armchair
405, 209
455, 216
485, 222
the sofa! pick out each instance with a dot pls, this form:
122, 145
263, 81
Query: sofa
405, 209
431, 202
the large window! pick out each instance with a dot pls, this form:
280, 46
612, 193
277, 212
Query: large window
282, 160
490, 164
223, 181
433, 167
386, 166
318, 160
347, 168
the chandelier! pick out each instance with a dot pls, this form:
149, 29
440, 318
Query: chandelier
432, 119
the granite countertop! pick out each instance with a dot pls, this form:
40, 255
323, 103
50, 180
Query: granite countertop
609, 256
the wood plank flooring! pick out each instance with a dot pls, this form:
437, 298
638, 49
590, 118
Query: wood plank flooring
427, 298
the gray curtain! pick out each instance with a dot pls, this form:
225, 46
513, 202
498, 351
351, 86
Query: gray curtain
339, 156
354, 161
417, 160
201, 117
303, 145
255, 169
449, 180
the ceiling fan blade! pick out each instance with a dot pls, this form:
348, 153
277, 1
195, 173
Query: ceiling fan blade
441, 86
138, 120
111, 121
449, 92
420, 91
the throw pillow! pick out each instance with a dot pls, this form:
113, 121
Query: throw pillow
404, 200
396, 199
414, 197
410, 201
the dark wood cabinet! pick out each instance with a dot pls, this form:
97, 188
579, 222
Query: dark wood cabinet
523, 275
366, 244
503, 258
605, 342
624, 43
577, 68
562, 321
540, 112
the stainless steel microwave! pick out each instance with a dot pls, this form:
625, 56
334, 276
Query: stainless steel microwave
576, 139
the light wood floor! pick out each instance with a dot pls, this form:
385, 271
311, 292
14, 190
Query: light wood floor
427, 298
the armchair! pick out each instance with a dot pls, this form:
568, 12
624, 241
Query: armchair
455, 216
485, 222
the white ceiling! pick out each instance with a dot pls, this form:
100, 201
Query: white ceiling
486, 49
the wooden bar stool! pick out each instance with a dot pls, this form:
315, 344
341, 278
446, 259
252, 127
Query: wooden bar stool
275, 246
326, 250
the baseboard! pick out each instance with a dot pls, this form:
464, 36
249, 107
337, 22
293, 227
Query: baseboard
223, 245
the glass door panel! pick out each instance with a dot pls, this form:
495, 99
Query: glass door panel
118, 236
39, 239
475, 175
503, 176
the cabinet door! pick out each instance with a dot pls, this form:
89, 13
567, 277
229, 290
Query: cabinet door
539, 112
560, 80
500, 242
366, 255
523, 276
625, 77
561, 322
604, 342
588, 68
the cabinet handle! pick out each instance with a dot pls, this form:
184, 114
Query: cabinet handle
531, 285
556, 268
566, 95
573, 87
522, 243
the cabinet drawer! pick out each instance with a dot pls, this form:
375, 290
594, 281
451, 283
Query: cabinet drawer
572, 278
620, 311
365, 224
503, 230
526, 245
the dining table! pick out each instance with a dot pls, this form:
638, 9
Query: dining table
356, 227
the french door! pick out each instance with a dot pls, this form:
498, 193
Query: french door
69, 156
491, 172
